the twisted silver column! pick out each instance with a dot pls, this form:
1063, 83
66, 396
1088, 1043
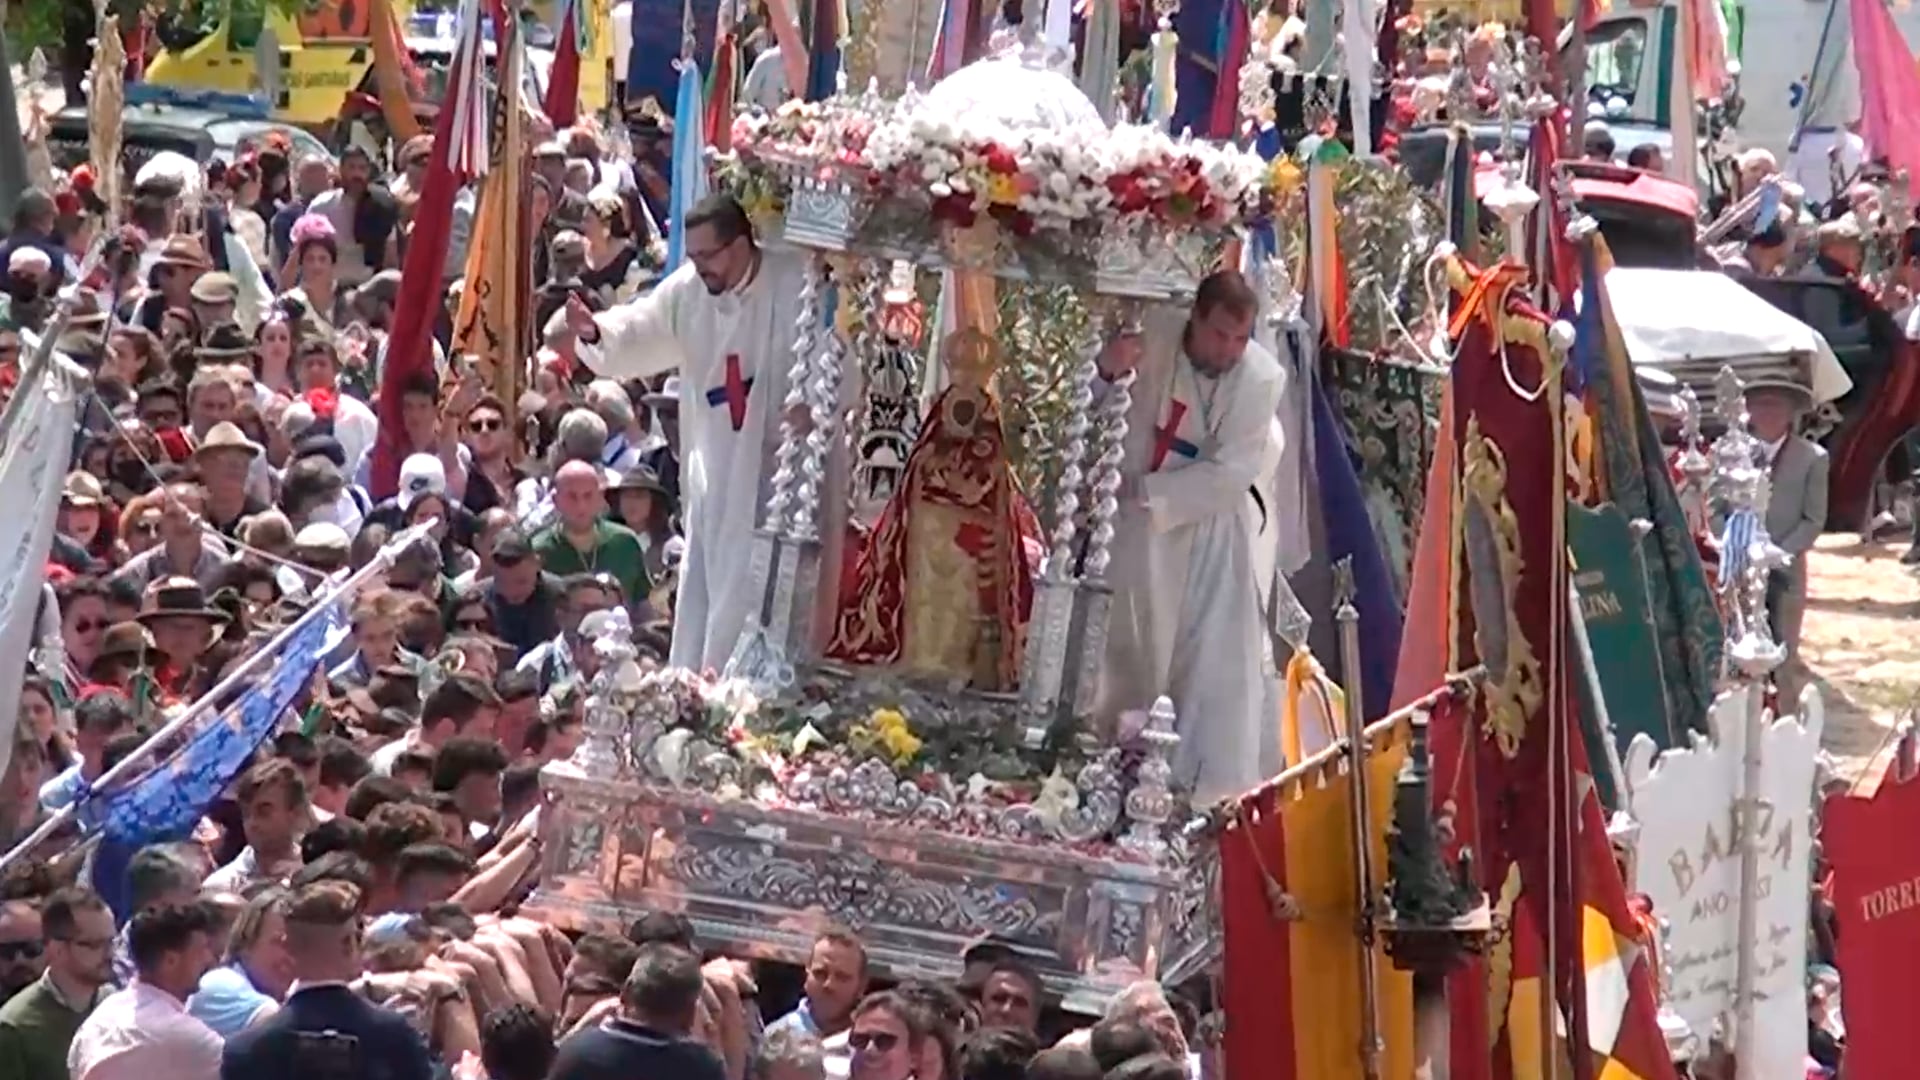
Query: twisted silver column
822, 397
1110, 448
1073, 451
805, 326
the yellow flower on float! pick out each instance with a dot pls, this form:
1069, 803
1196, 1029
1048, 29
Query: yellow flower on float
1003, 190
888, 728
1284, 177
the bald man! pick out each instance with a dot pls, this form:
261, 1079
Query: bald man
582, 541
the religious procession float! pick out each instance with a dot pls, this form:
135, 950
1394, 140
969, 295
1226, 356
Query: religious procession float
1494, 839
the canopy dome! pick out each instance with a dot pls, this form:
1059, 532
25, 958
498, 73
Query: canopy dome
1006, 90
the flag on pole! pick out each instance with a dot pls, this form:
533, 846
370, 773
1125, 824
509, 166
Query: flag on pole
1889, 87
1223, 121
35, 446
689, 179
171, 797
563, 81
491, 323
1301, 978
723, 83
459, 155
950, 40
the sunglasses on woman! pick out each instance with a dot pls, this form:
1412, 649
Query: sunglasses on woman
878, 1041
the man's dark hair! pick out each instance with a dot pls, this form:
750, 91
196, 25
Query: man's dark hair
516, 1043
996, 1054
898, 1006
459, 699
662, 928
35, 208
103, 713
579, 583
397, 826
462, 757
1149, 1067
59, 917
421, 384
341, 763
370, 793
160, 386
1226, 289
1064, 1063
432, 859
517, 684
331, 835
155, 932
665, 985
155, 871
457, 921
520, 783
120, 748
724, 213
607, 956
77, 588
296, 746
267, 775
335, 866
1641, 156
1115, 1041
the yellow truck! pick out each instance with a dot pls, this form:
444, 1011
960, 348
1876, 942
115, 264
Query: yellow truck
308, 62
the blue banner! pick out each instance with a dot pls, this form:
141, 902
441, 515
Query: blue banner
169, 798
656, 44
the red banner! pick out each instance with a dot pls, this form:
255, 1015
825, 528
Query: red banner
1876, 896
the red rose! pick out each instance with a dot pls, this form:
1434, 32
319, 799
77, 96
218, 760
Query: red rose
1001, 160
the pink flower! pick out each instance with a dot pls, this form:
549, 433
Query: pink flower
311, 227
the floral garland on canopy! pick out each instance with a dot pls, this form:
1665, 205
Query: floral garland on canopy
959, 170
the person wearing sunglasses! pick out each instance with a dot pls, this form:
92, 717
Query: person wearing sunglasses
651, 1035
492, 476
886, 1038
38, 1024
22, 957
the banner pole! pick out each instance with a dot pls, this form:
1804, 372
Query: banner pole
241, 673
1747, 958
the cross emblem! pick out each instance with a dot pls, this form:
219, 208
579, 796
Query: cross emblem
732, 393
1167, 439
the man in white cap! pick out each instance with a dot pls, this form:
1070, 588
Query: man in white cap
725, 319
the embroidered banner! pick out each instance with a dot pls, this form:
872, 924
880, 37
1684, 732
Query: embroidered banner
37, 445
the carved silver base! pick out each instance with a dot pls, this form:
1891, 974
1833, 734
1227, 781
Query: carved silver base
761, 882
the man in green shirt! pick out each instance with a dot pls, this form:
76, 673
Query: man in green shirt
38, 1024
581, 541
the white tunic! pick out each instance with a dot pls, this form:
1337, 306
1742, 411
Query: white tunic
1186, 607
732, 352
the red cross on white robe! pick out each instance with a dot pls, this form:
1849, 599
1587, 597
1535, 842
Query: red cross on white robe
1167, 439
732, 392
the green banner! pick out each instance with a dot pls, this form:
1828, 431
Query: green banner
1609, 577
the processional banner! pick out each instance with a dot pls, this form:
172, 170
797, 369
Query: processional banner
1290, 912
1868, 843
36, 444
1687, 802
1565, 986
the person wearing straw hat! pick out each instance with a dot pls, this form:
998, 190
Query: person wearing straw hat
181, 262
184, 626
223, 460
214, 296
1796, 511
643, 504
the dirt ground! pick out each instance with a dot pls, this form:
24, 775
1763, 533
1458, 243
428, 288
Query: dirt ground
1861, 640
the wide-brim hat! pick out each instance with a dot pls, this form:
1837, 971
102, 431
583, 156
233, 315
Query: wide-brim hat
640, 478
226, 435
224, 342
1781, 385
179, 598
184, 251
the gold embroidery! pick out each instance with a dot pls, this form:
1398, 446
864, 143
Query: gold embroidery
1494, 566
1500, 959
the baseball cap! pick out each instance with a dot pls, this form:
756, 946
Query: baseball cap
421, 474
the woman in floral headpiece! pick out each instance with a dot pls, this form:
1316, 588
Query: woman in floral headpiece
312, 270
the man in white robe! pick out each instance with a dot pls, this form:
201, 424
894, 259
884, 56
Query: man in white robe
725, 320
1186, 615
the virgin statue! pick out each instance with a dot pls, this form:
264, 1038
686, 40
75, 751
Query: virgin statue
943, 586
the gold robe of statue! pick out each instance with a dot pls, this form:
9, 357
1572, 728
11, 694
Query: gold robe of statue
942, 588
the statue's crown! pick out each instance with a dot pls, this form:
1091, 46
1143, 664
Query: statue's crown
971, 355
